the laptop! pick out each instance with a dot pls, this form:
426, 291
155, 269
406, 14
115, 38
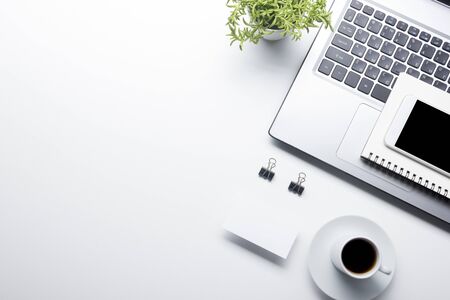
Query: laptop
347, 76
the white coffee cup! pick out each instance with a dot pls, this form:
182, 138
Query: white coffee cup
358, 257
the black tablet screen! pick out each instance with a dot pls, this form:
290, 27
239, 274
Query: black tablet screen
426, 135
446, 2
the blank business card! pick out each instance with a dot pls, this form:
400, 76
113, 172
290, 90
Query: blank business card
264, 225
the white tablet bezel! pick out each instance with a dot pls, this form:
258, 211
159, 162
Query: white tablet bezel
396, 128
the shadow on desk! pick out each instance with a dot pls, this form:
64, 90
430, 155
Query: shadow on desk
363, 185
281, 57
317, 290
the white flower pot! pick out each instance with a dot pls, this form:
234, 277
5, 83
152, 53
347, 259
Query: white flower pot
275, 35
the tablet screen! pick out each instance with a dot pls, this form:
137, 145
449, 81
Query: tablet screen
446, 2
426, 135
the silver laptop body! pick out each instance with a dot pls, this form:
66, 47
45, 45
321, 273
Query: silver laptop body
330, 116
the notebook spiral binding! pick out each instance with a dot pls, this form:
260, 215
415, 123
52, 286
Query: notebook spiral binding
407, 174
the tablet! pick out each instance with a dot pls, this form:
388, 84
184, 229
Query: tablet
421, 132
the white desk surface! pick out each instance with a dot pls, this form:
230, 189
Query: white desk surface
129, 130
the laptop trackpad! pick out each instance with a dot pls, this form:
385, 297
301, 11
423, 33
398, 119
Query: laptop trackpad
356, 138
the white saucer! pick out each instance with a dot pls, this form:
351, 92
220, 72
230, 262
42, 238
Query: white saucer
333, 282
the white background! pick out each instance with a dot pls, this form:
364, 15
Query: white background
129, 130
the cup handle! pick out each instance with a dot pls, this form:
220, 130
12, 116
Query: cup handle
385, 270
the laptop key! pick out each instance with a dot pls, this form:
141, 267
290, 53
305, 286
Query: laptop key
414, 45
326, 66
441, 57
427, 51
358, 50
346, 29
374, 42
398, 68
435, 41
414, 31
391, 20
349, 15
339, 73
374, 26
372, 72
440, 85
428, 67
359, 66
388, 48
356, 4
371, 56
380, 92
402, 26
401, 38
379, 15
426, 79
401, 54
361, 36
352, 79
413, 72
415, 60
361, 20
339, 56
385, 62
424, 36
387, 32
385, 78
342, 42
442, 73
368, 10
365, 85
446, 46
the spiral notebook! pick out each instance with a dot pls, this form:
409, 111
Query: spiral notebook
380, 153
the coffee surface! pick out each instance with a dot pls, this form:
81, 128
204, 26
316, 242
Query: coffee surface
359, 256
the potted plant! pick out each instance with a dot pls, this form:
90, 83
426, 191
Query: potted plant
251, 20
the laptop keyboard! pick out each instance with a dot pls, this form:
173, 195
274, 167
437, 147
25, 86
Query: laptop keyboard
371, 47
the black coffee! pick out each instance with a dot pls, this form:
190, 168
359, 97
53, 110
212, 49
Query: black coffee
359, 256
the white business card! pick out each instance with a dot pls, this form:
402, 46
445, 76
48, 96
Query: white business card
267, 226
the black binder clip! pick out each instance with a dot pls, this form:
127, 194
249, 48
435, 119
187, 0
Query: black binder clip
267, 173
296, 187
